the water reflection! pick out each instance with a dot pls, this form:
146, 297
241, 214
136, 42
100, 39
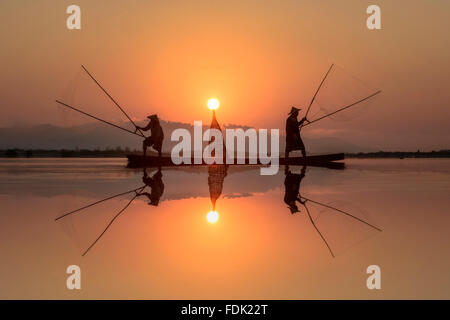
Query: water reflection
292, 188
255, 249
156, 185
153, 189
216, 177
292, 196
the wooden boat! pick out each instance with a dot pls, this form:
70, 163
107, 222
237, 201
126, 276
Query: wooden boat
325, 160
137, 161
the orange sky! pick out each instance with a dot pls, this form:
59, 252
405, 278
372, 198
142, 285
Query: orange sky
170, 57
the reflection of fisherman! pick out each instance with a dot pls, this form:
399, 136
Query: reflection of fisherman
292, 189
156, 184
293, 139
157, 135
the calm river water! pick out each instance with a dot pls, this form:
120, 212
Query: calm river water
224, 233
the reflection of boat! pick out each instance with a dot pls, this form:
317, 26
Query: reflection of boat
296, 203
326, 160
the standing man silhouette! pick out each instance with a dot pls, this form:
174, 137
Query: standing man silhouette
293, 138
157, 135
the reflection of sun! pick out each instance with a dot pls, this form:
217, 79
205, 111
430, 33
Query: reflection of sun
212, 216
213, 103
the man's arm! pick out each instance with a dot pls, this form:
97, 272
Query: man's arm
148, 195
144, 194
146, 128
302, 121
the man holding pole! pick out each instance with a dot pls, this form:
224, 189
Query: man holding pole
293, 138
157, 135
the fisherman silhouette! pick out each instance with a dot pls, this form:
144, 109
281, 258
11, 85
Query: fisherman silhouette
157, 135
156, 185
293, 138
292, 189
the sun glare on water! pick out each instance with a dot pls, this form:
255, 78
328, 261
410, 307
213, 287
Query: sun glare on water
212, 216
213, 103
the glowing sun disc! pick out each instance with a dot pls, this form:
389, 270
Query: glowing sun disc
213, 103
212, 216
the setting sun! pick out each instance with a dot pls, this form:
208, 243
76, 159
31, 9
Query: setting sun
213, 103
212, 216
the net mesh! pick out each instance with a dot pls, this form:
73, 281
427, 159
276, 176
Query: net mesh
85, 226
341, 231
83, 93
339, 90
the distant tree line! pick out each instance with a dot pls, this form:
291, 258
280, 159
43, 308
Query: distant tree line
56, 153
401, 155
122, 152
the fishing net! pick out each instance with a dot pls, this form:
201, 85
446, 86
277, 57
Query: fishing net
85, 226
341, 89
83, 93
340, 230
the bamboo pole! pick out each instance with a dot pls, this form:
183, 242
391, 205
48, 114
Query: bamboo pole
94, 117
112, 99
341, 109
110, 223
341, 211
323, 238
94, 203
317, 91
